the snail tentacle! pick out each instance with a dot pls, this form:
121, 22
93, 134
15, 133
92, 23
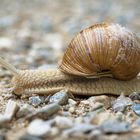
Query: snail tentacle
8, 66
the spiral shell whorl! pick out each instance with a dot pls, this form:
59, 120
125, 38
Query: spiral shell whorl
103, 47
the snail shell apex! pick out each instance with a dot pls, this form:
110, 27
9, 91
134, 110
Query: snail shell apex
103, 48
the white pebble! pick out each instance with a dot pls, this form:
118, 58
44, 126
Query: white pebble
38, 128
11, 109
71, 109
72, 102
63, 122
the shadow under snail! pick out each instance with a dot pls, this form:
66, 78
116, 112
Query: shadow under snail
101, 59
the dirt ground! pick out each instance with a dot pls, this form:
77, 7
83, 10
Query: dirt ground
34, 34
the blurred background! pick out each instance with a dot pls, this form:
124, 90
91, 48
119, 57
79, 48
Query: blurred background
36, 32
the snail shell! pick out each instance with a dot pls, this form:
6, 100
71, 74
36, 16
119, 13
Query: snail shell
103, 48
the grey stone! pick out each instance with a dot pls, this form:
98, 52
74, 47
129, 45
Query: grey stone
45, 111
121, 103
63, 122
35, 100
114, 126
134, 96
25, 110
60, 97
136, 109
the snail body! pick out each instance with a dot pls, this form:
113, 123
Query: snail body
96, 53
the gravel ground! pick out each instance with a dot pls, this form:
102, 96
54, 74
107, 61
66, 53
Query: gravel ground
34, 34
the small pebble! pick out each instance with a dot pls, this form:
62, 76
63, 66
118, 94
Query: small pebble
65, 113
5, 42
38, 128
72, 102
71, 110
95, 134
10, 112
35, 101
97, 106
60, 97
25, 110
63, 122
101, 117
11, 108
80, 128
85, 102
121, 103
134, 96
136, 109
54, 131
45, 111
114, 126
105, 100
78, 120
119, 116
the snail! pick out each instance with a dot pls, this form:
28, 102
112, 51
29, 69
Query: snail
101, 59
